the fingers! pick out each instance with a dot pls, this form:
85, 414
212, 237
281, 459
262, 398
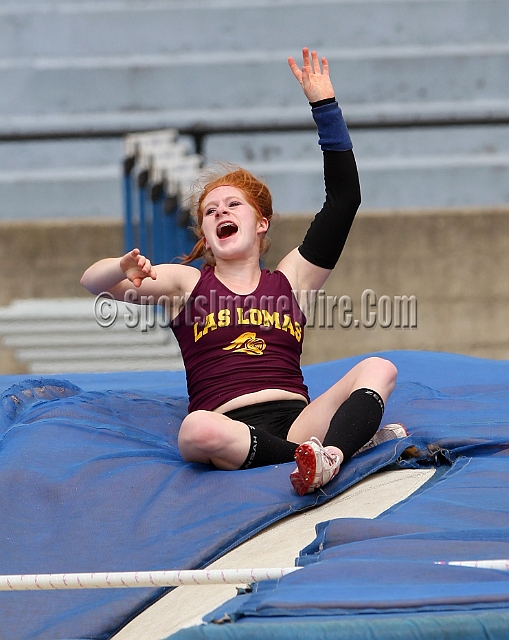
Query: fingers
137, 267
316, 63
313, 76
313, 62
306, 60
325, 66
295, 69
310, 65
146, 267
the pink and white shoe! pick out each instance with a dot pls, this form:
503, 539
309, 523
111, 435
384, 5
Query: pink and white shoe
316, 465
388, 432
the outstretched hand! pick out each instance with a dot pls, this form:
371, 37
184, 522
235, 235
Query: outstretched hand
137, 267
315, 81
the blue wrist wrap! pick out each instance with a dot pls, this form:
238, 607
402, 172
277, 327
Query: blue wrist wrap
332, 132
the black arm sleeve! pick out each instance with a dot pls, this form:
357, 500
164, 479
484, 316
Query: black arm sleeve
326, 237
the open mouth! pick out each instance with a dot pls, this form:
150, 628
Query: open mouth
226, 229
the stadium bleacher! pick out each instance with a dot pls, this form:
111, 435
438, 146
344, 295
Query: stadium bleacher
67, 335
74, 69
422, 83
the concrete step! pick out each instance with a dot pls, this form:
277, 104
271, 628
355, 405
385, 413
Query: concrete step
103, 353
60, 309
55, 366
58, 155
387, 145
63, 27
104, 67
399, 168
67, 193
63, 335
421, 184
73, 335
66, 178
180, 82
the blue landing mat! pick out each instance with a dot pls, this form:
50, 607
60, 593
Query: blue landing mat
367, 579
92, 480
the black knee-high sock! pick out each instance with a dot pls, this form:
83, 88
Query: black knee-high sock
267, 449
355, 422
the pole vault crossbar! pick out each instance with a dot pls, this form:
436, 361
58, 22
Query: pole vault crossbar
136, 579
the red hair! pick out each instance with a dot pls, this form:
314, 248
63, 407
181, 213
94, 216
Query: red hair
256, 192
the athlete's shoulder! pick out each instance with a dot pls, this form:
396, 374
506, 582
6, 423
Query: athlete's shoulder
178, 278
278, 276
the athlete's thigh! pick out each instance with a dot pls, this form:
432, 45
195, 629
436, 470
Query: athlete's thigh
209, 430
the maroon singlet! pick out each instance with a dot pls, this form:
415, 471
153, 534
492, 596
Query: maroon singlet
236, 344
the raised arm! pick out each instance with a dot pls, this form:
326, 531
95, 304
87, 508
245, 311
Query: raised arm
308, 266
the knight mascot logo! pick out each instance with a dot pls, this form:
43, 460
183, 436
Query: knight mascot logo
248, 343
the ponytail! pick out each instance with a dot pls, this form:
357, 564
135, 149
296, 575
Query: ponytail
199, 252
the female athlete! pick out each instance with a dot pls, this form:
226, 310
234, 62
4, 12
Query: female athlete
240, 327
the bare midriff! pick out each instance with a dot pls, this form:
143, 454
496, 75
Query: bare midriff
265, 395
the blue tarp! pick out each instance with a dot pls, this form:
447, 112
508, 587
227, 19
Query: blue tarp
380, 578
91, 480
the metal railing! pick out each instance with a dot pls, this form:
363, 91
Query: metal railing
156, 173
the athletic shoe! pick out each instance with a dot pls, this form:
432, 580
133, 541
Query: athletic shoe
389, 432
316, 465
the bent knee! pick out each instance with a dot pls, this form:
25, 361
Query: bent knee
197, 427
385, 370
201, 431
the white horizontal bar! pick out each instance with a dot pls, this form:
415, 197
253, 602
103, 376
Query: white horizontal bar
137, 579
211, 58
501, 565
379, 113
150, 339
58, 367
62, 174
138, 6
118, 352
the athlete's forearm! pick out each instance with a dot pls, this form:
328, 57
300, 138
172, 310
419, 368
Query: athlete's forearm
332, 130
103, 275
328, 232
